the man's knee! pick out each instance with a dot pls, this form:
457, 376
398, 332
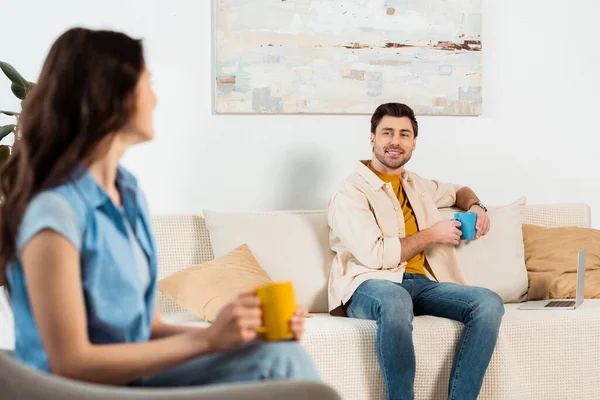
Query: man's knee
286, 360
489, 306
398, 310
384, 301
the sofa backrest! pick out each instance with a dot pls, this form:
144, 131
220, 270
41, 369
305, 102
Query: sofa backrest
184, 240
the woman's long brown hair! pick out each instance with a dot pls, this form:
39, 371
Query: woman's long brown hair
84, 93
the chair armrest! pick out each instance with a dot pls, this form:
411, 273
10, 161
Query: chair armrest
19, 382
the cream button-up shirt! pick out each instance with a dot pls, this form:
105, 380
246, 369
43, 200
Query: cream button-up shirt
366, 224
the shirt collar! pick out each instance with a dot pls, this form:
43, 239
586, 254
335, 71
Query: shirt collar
373, 180
91, 190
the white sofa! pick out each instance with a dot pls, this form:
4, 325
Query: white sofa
539, 354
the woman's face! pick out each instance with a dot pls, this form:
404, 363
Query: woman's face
140, 126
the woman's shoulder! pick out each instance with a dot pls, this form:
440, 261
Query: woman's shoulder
60, 200
50, 200
52, 210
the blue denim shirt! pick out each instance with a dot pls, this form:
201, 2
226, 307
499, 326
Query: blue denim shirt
119, 306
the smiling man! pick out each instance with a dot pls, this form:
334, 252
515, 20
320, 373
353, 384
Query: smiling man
395, 259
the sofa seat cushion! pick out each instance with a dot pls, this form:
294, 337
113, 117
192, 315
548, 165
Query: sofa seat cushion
539, 355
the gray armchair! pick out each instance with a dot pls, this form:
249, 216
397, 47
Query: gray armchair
18, 382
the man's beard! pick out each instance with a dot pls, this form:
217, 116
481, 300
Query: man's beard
392, 164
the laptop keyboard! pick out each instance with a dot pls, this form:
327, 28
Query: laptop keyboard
560, 304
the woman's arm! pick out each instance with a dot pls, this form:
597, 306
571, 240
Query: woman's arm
52, 272
161, 329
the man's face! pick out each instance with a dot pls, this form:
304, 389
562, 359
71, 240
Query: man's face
393, 142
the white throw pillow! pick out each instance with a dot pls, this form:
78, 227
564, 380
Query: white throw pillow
497, 260
287, 245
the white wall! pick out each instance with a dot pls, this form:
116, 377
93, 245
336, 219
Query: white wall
538, 135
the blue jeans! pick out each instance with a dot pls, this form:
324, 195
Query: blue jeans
393, 306
256, 361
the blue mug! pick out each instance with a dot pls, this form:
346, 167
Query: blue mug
467, 220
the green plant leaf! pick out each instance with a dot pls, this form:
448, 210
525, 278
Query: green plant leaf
12, 74
21, 92
4, 154
5, 130
11, 113
18, 91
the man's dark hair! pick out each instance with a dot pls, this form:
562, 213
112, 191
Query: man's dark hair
394, 110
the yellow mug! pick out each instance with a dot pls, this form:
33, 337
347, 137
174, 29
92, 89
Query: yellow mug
278, 304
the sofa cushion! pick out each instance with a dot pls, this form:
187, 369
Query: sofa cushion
529, 361
206, 288
497, 260
288, 246
551, 260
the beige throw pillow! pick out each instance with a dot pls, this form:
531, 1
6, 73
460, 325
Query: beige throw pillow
206, 288
290, 246
551, 259
497, 260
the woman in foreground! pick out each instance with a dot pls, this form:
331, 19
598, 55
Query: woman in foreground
76, 244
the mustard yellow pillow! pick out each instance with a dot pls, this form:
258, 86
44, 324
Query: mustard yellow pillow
551, 261
206, 288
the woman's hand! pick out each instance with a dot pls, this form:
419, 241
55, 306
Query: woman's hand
236, 324
297, 323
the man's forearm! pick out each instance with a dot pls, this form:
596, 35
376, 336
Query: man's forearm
466, 198
412, 245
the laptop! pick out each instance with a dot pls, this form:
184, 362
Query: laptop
566, 304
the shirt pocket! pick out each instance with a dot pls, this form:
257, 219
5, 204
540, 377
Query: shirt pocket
388, 214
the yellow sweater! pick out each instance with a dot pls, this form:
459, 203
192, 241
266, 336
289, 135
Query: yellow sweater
415, 265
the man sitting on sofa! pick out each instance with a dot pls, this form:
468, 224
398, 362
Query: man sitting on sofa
395, 259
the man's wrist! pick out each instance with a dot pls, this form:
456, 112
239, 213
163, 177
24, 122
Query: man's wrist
429, 236
480, 205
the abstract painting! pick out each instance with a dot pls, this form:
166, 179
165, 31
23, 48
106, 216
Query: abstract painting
348, 56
